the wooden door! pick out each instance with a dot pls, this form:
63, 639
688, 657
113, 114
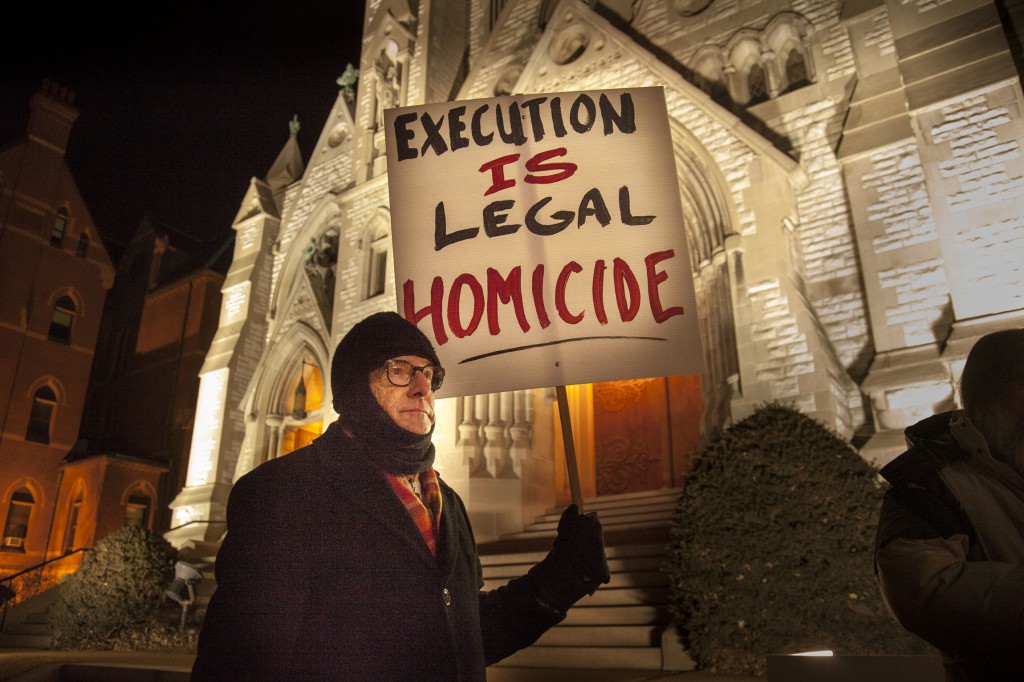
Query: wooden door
645, 433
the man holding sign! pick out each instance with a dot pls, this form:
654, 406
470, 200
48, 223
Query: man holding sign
350, 559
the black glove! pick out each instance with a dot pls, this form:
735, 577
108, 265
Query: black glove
576, 565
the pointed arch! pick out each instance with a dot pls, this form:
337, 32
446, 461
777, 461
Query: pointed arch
708, 67
375, 261
751, 83
709, 218
788, 37
77, 500
20, 504
138, 500
301, 353
325, 218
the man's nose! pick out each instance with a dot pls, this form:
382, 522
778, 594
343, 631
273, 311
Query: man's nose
419, 385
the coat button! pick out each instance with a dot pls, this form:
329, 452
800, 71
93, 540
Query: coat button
447, 597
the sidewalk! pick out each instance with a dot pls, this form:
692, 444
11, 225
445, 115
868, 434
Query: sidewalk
32, 665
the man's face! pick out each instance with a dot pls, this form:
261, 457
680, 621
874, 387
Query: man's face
412, 406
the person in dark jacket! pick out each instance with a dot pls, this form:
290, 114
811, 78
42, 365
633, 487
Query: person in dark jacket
350, 559
949, 554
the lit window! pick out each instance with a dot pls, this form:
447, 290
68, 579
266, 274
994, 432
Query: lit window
137, 511
60, 224
19, 512
72, 527
83, 246
60, 322
41, 415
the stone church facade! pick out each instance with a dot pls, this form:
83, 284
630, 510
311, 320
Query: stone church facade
851, 179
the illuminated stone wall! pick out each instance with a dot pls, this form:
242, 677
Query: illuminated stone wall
868, 181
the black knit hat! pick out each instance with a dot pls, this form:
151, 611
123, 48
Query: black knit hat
365, 348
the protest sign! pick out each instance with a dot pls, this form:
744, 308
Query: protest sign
539, 239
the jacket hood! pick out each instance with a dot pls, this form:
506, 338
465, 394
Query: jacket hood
930, 445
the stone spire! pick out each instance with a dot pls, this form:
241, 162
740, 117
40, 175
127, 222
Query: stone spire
289, 166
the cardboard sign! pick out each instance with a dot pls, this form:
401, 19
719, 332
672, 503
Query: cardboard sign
539, 240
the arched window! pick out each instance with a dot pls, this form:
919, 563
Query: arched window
60, 322
83, 246
796, 70
376, 243
74, 509
377, 269
136, 512
41, 415
709, 76
303, 403
19, 513
60, 224
757, 84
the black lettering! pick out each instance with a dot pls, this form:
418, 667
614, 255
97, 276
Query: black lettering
624, 120
494, 222
403, 135
441, 236
455, 128
536, 122
515, 134
578, 124
556, 117
479, 138
546, 230
434, 138
624, 212
592, 204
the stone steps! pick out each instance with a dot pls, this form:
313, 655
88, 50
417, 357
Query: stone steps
26, 625
623, 624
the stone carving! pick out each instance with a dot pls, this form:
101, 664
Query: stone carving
617, 396
569, 45
321, 258
623, 467
387, 88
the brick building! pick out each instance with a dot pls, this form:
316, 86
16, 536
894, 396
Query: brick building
99, 370
55, 273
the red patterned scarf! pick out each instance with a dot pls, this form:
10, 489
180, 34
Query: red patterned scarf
426, 513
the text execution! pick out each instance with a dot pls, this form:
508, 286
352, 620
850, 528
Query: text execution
459, 127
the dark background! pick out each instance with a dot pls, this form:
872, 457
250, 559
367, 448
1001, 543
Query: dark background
181, 102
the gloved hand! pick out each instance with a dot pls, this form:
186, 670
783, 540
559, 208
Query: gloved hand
576, 565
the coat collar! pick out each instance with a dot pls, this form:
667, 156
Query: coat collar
360, 486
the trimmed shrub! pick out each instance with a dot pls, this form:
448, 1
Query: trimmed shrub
119, 587
772, 548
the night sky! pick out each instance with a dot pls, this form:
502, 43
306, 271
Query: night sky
181, 102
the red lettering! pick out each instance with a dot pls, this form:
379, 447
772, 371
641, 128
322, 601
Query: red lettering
497, 168
433, 310
536, 165
509, 289
599, 268
623, 275
563, 279
455, 309
653, 280
538, 296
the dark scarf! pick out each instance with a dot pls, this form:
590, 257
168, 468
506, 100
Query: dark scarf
382, 443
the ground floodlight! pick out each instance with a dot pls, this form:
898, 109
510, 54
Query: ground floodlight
185, 576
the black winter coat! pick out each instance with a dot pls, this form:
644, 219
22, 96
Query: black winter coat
324, 576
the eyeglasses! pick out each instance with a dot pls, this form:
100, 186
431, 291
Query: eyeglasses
400, 373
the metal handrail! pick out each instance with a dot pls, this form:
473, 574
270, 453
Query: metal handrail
8, 579
44, 563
